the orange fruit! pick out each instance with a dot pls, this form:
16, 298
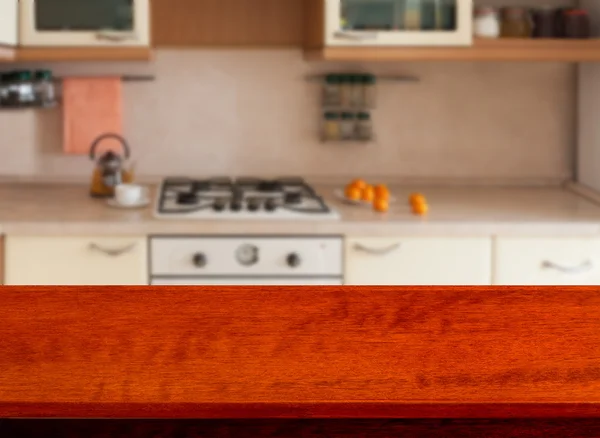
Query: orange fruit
368, 194
417, 198
420, 208
381, 191
359, 183
352, 193
381, 205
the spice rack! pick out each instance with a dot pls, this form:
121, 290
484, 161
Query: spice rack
347, 101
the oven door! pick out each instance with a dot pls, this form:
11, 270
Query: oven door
247, 281
85, 23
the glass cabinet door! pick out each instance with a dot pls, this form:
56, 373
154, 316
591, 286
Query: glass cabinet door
399, 22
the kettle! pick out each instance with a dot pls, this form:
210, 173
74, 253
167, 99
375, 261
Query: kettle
110, 170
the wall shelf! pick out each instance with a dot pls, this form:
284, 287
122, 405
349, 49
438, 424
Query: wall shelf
40, 54
522, 50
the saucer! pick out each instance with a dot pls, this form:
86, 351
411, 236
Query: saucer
140, 204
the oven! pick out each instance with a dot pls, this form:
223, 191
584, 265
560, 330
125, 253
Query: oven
246, 260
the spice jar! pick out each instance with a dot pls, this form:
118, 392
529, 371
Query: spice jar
44, 88
576, 24
356, 92
331, 126
345, 90
544, 22
486, 23
331, 90
516, 23
369, 89
347, 127
364, 126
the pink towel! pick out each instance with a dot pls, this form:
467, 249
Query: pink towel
91, 107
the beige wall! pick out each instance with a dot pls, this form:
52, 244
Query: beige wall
252, 112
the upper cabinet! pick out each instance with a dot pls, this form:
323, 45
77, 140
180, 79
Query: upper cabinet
84, 23
8, 23
386, 23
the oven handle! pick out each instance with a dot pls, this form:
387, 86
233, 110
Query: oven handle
112, 252
115, 36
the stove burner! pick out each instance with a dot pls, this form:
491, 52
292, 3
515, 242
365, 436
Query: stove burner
269, 186
292, 198
187, 198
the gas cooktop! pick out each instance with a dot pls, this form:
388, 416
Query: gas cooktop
240, 198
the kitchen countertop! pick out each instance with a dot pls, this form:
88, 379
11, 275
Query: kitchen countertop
66, 209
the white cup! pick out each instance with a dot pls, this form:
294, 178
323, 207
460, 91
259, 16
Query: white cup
130, 194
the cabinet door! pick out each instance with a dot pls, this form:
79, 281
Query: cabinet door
9, 20
76, 260
89, 23
541, 261
398, 22
418, 261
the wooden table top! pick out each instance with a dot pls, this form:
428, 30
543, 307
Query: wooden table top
299, 352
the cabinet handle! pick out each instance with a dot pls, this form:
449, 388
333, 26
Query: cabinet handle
356, 36
112, 252
376, 251
584, 267
115, 36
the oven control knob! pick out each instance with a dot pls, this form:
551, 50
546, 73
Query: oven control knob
271, 205
247, 255
293, 260
199, 260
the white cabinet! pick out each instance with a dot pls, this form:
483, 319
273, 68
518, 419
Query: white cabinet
547, 261
76, 260
397, 22
8, 22
76, 23
418, 261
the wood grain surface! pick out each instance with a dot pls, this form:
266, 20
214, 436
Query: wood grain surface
220, 352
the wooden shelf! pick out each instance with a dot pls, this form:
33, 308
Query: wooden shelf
35, 54
535, 50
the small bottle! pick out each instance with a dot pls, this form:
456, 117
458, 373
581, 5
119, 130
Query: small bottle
369, 91
347, 126
331, 126
356, 91
345, 90
364, 126
24, 81
44, 88
331, 90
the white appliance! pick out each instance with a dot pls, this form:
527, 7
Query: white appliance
245, 198
246, 260
76, 23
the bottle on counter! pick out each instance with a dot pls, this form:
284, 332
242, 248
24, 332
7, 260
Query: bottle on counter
347, 126
364, 126
331, 126
44, 88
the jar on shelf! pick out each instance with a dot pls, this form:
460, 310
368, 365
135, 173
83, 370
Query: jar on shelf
369, 89
331, 90
345, 90
24, 82
356, 91
545, 22
331, 126
577, 24
516, 23
347, 126
486, 23
44, 88
364, 126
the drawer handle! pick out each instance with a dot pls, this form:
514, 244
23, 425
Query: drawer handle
584, 267
376, 251
356, 36
112, 252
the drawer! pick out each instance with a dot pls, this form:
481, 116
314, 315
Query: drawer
76, 260
418, 261
542, 261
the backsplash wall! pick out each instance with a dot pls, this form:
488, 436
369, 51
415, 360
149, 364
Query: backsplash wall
252, 112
